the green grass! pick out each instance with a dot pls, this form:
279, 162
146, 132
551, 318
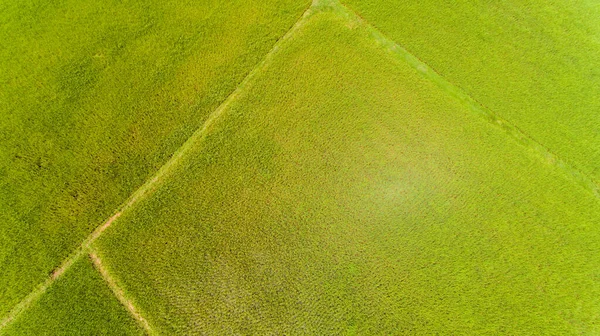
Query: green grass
533, 63
94, 97
345, 193
79, 303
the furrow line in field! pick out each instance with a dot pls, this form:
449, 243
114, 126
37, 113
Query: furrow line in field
119, 293
163, 173
473, 105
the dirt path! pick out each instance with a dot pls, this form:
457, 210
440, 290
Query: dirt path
120, 294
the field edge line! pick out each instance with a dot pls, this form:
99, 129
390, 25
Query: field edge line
119, 293
151, 184
495, 120
35, 294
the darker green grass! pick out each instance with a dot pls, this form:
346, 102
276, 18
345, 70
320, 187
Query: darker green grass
79, 303
344, 193
94, 97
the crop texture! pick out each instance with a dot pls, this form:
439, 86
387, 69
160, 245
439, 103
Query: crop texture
78, 304
345, 193
280, 167
95, 97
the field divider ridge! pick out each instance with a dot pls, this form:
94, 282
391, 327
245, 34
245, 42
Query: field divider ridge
150, 185
119, 293
533, 146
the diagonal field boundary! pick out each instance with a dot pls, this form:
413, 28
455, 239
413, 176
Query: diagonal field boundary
534, 147
119, 293
160, 176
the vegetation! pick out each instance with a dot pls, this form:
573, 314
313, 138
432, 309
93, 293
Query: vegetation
279, 167
80, 303
94, 97
533, 63
344, 193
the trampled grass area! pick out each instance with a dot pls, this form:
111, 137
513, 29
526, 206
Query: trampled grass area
94, 97
80, 303
345, 193
535, 63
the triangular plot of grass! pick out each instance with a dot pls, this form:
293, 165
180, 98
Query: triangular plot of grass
95, 97
344, 193
79, 303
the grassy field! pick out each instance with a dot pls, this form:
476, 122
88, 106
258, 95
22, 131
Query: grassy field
343, 192
80, 303
534, 63
357, 168
94, 97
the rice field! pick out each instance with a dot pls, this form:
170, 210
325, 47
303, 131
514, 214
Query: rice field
78, 304
533, 63
279, 167
95, 97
